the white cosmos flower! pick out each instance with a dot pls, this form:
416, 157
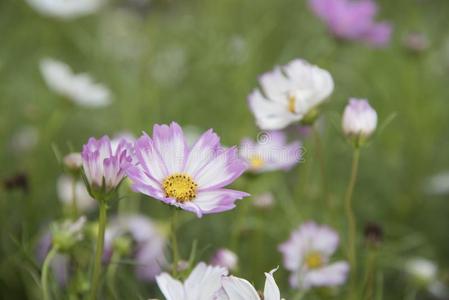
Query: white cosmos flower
289, 94
66, 9
202, 284
235, 288
79, 88
424, 271
66, 189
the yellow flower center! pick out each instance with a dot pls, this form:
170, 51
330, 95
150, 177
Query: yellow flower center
180, 187
292, 104
314, 260
256, 162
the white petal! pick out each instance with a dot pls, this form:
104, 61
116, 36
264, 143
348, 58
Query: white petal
239, 289
170, 287
204, 282
271, 290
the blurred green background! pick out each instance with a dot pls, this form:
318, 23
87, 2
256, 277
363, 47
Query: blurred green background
195, 62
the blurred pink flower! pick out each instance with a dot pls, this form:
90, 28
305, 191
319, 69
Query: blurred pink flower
359, 119
307, 255
353, 20
225, 258
147, 244
191, 178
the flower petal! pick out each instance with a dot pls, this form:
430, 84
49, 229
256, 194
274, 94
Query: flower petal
204, 281
271, 289
202, 152
239, 289
221, 171
170, 144
219, 200
331, 275
170, 287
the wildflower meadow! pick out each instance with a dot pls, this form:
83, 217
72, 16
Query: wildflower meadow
224, 150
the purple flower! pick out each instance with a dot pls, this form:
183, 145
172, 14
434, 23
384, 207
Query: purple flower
191, 178
353, 20
103, 166
60, 264
307, 255
147, 245
270, 152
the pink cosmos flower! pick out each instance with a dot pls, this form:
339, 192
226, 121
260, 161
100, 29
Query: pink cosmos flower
307, 255
225, 258
191, 178
270, 152
353, 20
104, 167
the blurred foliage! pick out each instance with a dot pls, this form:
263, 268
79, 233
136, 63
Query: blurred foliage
195, 62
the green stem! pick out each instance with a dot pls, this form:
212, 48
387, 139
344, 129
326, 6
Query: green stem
352, 256
174, 243
74, 200
370, 275
44, 274
112, 270
99, 250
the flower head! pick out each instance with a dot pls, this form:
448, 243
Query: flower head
422, 271
138, 236
270, 152
67, 9
307, 255
359, 120
104, 168
225, 258
239, 288
353, 20
79, 88
67, 193
289, 94
191, 178
202, 284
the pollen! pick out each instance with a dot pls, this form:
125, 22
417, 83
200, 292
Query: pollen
256, 162
292, 104
180, 187
314, 260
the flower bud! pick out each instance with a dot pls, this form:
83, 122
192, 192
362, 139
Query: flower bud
73, 161
225, 258
359, 120
67, 234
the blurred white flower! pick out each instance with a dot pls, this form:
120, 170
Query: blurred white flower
438, 184
225, 258
79, 88
202, 284
422, 270
25, 139
238, 288
66, 189
359, 119
307, 255
66, 9
290, 94
264, 200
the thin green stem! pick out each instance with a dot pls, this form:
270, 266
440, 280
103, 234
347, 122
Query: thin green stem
352, 256
74, 199
44, 274
112, 271
99, 250
370, 275
174, 243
